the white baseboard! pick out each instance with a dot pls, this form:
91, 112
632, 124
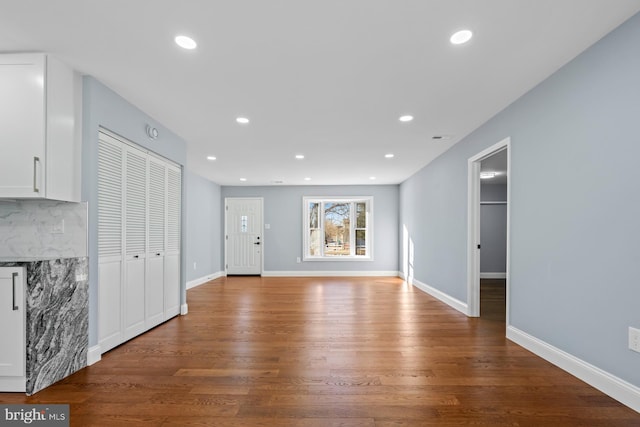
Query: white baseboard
307, 273
445, 298
94, 355
622, 391
204, 279
184, 309
493, 275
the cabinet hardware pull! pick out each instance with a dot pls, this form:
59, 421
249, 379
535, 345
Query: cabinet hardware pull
36, 160
15, 307
136, 256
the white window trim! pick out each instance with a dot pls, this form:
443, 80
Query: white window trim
306, 200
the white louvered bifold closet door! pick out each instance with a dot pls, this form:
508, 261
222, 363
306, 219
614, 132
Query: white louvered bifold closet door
110, 247
139, 204
135, 207
156, 245
109, 199
172, 255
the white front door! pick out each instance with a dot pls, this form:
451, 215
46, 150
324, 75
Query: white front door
243, 230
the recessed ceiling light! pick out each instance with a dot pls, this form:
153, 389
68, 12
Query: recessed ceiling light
488, 175
406, 118
372, 178
389, 156
211, 157
186, 42
243, 179
461, 37
307, 179
299, 156
242, 120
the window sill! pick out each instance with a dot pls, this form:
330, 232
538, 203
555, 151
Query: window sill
339, 259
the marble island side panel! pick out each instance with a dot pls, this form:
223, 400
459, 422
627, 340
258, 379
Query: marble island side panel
57, 300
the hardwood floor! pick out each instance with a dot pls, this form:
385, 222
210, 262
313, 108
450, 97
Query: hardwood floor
316, 352
493, 299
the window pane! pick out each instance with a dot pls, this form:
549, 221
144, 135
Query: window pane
336, 228
313, 214
361, 242
314, 243
361, 215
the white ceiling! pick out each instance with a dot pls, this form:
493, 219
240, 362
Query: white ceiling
327, 79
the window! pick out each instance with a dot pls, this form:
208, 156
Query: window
338, 228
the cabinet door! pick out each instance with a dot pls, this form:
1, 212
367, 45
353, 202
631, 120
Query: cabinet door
22, 125
12, 317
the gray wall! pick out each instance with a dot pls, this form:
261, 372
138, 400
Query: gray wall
204, 229
574, 206
493, 229
493, 192
103, 107
283, 211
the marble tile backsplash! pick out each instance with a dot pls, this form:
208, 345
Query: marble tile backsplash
42, 229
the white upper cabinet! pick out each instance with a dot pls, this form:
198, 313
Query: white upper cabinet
40, 107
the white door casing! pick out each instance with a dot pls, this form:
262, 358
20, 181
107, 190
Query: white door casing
243, 235
473, 226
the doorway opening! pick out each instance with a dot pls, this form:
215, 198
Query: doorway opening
488, 232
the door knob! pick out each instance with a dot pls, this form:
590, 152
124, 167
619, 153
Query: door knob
256, 243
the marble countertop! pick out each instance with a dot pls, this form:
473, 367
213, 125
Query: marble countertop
31, 259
